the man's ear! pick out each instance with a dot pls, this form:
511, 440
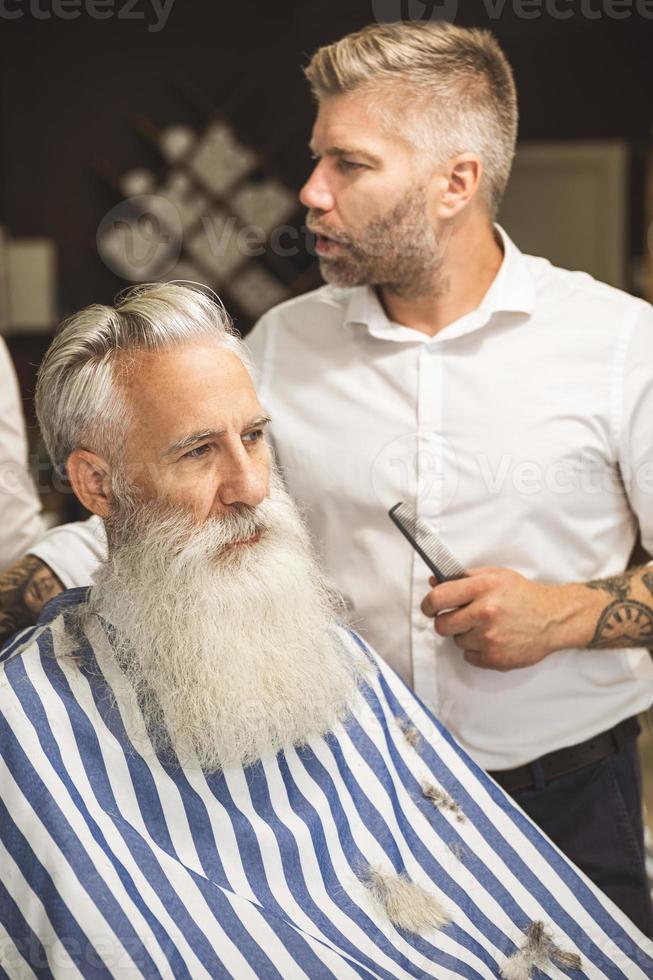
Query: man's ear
461, 181
90, 478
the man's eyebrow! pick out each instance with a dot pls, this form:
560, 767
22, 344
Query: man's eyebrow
258, 422
344, 151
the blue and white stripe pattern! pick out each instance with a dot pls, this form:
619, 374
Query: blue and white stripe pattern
113, 864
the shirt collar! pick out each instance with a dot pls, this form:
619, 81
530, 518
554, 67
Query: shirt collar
512, 291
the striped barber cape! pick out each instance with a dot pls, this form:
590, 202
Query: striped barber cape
114, 863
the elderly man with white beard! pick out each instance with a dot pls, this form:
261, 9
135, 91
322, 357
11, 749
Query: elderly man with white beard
202, 773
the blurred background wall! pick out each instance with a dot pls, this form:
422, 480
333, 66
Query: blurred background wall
84, 98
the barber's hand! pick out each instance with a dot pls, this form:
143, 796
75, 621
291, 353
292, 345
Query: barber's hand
25, 588
505, 621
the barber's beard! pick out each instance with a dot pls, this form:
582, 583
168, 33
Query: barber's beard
399, 251
232, 650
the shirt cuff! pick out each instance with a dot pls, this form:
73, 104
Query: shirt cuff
74, 552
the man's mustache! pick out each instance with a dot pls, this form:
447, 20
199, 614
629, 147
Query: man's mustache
132, 520
314, 226
240, 525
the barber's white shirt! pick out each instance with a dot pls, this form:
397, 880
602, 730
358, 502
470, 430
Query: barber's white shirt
20, 509
523, 432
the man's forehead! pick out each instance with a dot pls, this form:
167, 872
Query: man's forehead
198, 386
345, 117
348, 124
177, 369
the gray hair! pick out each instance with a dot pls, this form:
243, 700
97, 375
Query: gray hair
79, 403
446, 89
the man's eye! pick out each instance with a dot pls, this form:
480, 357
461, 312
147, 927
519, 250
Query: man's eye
349, 165
198, 452
253, 436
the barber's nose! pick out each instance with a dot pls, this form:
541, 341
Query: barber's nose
245, 480
316, 193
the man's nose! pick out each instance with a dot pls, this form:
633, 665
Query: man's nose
245, 480
316, 193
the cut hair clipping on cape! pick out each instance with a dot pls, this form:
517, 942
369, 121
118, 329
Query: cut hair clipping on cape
409, 732
442, 800
536, 952
406, 904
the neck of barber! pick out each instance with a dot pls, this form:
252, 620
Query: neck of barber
471, 257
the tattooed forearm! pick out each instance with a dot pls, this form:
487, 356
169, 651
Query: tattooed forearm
624, 623
24, 590
617, 586
627, 619
647, 579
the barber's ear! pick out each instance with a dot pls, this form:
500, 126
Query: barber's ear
462, 178
90, 478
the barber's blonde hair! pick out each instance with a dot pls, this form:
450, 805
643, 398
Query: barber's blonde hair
446, 89
79, 400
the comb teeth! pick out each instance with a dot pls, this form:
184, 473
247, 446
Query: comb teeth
427, 544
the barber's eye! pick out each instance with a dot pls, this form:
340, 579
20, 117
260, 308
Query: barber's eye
350, 165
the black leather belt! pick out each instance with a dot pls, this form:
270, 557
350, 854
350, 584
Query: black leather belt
564, 761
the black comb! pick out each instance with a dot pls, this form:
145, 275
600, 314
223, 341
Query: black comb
426, 543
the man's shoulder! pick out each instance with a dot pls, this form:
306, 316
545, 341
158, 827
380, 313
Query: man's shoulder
38, 639
368, 660
328, 302
556, 284
324, 298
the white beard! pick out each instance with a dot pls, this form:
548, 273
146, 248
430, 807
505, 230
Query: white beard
232, 652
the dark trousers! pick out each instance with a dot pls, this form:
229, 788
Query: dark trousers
594, 815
